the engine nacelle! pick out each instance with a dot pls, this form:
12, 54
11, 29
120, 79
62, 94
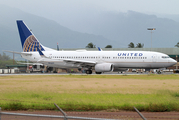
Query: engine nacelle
120, 69
104, 67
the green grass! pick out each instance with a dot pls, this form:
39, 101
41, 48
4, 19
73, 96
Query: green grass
144, 77
162, 101
41, 92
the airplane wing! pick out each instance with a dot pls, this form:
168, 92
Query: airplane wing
71, 61
22, 53
80, 62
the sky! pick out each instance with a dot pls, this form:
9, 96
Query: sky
54, 9
71, 13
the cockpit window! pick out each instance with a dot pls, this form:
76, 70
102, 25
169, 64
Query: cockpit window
165, 57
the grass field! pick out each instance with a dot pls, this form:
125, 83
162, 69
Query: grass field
90, 93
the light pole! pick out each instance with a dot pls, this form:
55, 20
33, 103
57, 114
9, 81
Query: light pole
151, 29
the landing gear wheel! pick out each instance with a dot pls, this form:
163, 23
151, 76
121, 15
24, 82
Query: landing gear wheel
88, 71
98, 72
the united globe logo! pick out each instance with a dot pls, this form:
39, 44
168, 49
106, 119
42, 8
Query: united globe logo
31, 44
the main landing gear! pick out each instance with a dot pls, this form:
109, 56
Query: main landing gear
98, 72
88, 71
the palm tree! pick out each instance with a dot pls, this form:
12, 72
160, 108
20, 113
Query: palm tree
91, 45
177, 45
139, 45
131, 45
108, 46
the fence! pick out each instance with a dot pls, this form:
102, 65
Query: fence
65, 117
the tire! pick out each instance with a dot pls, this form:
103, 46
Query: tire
98, 72
88, 71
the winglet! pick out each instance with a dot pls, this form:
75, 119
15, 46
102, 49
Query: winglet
100, 49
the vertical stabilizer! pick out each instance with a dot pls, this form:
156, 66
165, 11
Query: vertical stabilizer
57, 47
28, 40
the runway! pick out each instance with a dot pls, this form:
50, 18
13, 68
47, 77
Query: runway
107, 73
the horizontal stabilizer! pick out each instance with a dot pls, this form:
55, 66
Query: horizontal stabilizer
30, 63
22, 53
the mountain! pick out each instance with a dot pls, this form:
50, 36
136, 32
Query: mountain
174, 17
131, 26
102, 28
48, 32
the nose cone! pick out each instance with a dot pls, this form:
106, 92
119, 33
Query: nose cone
172, 61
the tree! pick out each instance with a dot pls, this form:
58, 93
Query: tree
5, 60
108, 46
177, 45
4, 57
3, 63
91, 45
131, 45
139, 45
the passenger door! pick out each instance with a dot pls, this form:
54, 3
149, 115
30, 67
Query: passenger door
154, 59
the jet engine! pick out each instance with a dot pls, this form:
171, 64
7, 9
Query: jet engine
104, 67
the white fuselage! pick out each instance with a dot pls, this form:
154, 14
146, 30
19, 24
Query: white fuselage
120, 59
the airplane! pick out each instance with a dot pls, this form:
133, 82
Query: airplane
99, 61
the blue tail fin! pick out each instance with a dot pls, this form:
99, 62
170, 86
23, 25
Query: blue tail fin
28, 40
40, 52
57, 47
